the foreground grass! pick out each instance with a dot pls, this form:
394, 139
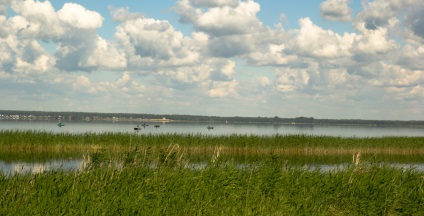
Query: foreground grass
221, 188
130, 174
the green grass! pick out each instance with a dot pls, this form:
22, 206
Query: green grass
42, 138
27, 145
139, 174
274, 188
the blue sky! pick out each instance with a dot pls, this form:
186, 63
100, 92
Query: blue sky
324, 59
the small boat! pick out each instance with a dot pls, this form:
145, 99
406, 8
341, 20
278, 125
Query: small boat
156, 126
137, 128
210, 127
60, 124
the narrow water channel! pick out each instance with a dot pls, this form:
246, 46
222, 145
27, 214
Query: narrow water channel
21, 167
72, 165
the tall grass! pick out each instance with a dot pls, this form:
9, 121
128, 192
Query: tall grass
130, 174
221, 188
198, 145
35, 139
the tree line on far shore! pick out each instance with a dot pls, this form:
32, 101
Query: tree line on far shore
8, 114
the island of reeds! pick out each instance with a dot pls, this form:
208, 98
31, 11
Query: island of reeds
195, 174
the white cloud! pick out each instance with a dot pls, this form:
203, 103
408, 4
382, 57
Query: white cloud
216, 3
72, 29
311, 40
34, 18
77, 16
263, 80
124, 87
105, 55
390, 75
373, 44
150, 43
224, 20
4, 4
412, 57
7, 57
336, 10
26, 57
228, 69
223, 89
289, 80
378, 13
123, 14
380, 62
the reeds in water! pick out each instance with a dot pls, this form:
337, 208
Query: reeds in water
164, 186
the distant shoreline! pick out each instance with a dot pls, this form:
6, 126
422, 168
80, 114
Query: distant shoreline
135, 117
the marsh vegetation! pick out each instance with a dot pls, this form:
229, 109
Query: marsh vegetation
129, 173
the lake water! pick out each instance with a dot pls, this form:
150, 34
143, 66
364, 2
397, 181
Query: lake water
192, 128
18, 167
218, 128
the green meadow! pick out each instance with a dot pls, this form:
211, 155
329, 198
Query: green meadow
194, 174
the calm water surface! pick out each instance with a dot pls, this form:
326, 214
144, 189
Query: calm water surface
218, 128
72, 165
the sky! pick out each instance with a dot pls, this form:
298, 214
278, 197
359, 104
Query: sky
328, 59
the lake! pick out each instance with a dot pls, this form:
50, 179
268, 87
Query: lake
218, 128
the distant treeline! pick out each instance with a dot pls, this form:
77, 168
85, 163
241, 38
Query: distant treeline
197, 118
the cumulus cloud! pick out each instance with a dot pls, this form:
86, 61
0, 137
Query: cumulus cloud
218, 3
336, 10
123, 14
125, 86
232, 28
219, 21
7, 57
84, 50
77, 16
34, 18
105, 55
415, 21
164, 66
263, 80
223, 89
289, 80
4, 4
411, 57
373, 45
26, 57
73, 29
311, 40
150, 43
379, 13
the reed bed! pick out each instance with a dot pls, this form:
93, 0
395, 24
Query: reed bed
220, 188
139, 174
15, 141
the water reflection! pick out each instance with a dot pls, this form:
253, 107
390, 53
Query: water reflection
72, 165
20, 167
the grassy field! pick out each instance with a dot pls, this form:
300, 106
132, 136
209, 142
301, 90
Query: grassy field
138, 174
